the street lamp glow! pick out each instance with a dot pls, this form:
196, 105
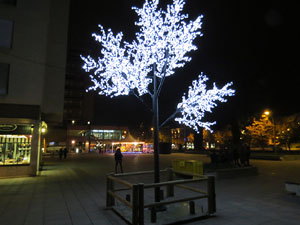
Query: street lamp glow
267, 113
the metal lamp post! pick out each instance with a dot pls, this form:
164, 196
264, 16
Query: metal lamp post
267, 113
89, 127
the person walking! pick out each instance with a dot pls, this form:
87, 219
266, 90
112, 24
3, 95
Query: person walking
60, 153
118, 160
65, 153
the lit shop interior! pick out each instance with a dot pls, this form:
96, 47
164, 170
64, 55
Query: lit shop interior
15, 149
130, 147
105, 140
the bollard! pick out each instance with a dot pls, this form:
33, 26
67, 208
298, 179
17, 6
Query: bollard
192, 207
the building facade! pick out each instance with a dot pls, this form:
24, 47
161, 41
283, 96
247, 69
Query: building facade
78, 104
33, 46
100, 139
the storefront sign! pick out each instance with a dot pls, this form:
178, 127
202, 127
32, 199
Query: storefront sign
8, 127
15, 129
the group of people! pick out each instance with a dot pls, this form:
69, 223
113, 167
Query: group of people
238, 155
63, 152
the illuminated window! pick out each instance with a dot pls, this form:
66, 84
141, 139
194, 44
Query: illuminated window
4, 71
6, 31
15, 149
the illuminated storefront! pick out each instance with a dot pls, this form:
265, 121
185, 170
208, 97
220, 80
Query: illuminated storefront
129, 147
20, 146
15, 149
86, 138
95, 138
15, 144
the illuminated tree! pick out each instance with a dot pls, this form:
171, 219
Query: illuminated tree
260, 131
223, 137
288, 130
161, 46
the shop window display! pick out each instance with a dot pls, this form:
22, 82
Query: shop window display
15, 149
15, 144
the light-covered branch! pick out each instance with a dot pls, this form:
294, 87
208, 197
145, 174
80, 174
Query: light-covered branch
164, 39
199, 101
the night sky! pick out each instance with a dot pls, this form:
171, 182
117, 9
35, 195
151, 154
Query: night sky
252, 43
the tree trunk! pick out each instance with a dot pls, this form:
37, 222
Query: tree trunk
155, 136
198, 140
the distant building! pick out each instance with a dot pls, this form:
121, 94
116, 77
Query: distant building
33, 46
100, 139
182, 139
78, 105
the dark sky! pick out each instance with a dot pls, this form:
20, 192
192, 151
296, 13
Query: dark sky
252, 43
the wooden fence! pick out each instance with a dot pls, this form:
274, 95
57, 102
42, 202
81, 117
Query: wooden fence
137, 205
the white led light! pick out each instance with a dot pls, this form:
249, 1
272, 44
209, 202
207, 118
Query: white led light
125, 66
199, 101
164, 39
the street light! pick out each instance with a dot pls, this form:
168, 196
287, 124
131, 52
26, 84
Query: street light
89, 127
267, 113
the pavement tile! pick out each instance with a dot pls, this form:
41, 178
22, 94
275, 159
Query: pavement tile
73, 192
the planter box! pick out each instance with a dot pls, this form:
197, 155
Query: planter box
235, 172
293, 188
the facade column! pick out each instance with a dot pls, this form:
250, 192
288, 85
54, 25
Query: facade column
35, 149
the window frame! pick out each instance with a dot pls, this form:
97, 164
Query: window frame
2, 84
9, 39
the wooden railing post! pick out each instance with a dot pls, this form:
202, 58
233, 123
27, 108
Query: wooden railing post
170, 187
110, 200
135, 204
141, 204
192, 207
153, 215
211, 195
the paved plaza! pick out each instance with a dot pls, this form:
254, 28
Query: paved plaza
73, 192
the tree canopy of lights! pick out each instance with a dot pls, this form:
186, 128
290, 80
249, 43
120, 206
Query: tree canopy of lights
199, 101
161, 46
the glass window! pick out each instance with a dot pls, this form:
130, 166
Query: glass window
6, 31
107, 135
100, 135
15, 149
116, 135
4, 71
